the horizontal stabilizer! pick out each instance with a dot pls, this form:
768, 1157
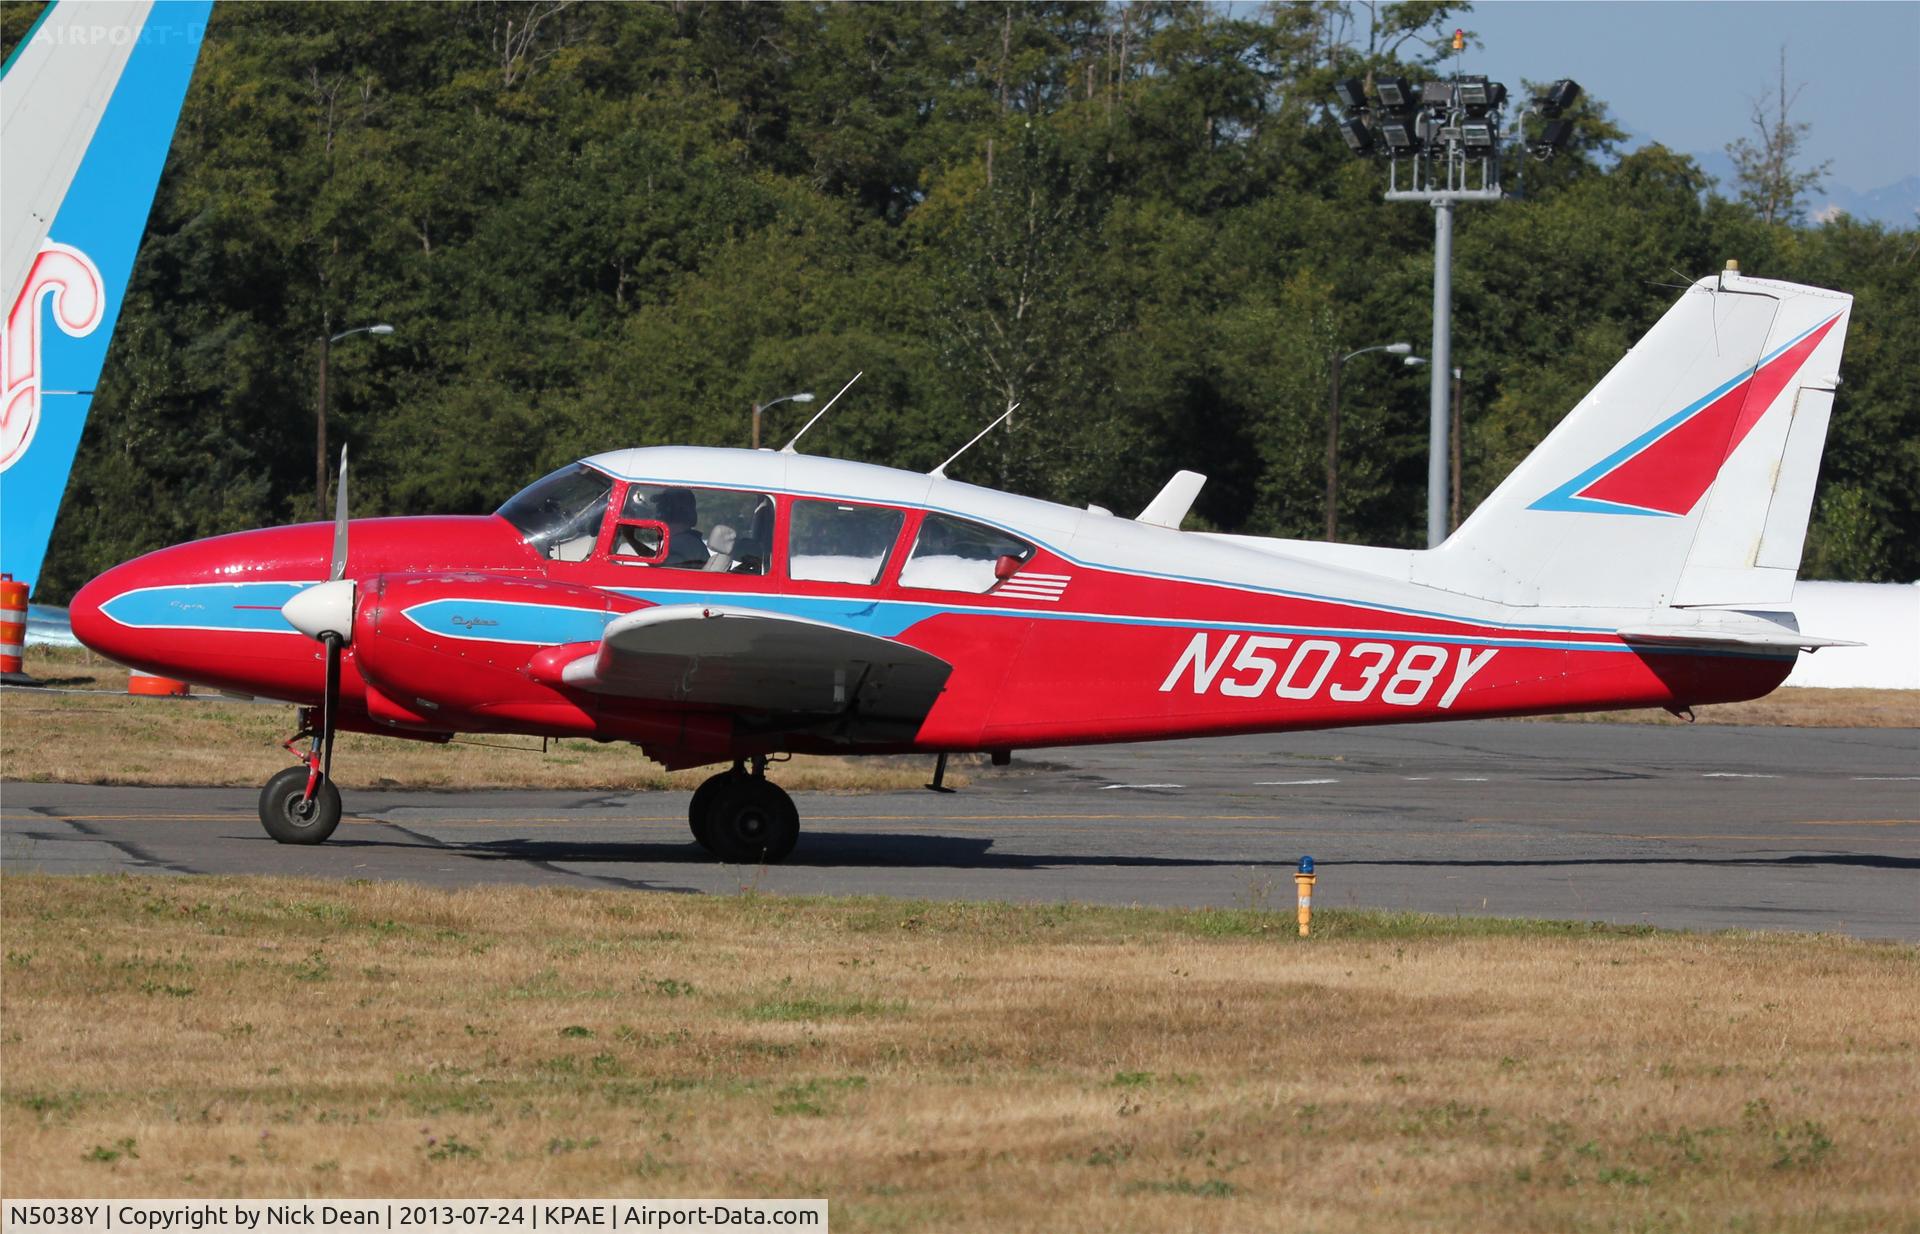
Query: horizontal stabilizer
1171, 506
1738, 630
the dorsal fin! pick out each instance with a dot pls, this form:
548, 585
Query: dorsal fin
1171, 506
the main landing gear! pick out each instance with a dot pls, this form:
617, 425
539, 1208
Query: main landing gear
743, 818
300, 805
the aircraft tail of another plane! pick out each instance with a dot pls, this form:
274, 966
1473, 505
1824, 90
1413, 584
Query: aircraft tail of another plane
88, 103
1684, 479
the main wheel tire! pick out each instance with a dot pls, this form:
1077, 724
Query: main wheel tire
700, 809
290, 819
752, 821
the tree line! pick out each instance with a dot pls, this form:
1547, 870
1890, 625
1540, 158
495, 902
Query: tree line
599, 225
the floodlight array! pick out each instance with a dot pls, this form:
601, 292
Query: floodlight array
1456, 119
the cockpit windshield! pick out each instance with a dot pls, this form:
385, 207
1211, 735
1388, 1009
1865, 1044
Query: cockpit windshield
560, 514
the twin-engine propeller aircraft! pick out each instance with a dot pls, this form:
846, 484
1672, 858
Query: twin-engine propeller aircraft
731, 606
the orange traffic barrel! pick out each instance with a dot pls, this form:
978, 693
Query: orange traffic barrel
154, 684
13, 623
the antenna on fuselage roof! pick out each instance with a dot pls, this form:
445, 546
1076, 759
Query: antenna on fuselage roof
789, 447
940, 472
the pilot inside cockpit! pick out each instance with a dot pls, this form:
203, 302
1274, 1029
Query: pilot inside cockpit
718, 530
686, 547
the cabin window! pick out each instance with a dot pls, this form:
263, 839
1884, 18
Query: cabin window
560, 515
838, 542
719, 530
953, 554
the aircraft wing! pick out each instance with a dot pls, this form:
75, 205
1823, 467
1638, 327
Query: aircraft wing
744, 659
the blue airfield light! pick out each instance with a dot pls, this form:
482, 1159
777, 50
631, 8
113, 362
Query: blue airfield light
1306, 865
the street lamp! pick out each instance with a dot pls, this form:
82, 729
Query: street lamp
1333, 426
320, 412
806, 397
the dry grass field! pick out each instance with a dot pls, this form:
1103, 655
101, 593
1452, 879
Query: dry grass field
68, 736
952, 1067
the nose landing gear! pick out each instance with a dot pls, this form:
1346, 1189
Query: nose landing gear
300, 805
743, 818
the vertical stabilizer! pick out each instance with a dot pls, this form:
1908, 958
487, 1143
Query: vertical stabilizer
1684, 478
88, 103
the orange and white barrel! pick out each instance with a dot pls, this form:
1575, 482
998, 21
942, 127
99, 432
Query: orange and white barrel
155, 685
13, 623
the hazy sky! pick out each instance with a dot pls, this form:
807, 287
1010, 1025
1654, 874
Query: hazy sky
1685, 72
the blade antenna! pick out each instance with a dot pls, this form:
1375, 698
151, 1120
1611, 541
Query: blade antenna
940, 472
340, 521
789, 447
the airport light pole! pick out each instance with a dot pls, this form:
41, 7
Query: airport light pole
320, 412
1450, 134
1333, 426
1453, 522
805, 397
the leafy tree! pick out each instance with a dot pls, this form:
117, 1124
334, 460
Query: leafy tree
596, 226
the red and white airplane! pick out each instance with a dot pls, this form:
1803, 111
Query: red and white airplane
730, 606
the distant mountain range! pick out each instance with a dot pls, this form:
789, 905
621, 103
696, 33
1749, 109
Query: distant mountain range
1894, 204
1897, 204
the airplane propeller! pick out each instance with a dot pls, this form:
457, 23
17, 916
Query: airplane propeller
324, 612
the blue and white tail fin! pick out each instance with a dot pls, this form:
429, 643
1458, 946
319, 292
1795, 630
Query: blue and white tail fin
88, 103
1684, 479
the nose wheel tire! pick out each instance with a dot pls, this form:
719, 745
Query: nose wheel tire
293, 818
748, 821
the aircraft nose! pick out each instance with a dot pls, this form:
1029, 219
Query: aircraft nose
91, 625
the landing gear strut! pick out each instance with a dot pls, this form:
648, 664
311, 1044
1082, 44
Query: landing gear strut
743, 818
300, 805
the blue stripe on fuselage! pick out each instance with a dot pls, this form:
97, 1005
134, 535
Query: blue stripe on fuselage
254, 607
238, 607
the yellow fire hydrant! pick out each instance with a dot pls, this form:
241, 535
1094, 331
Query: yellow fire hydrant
1303, 881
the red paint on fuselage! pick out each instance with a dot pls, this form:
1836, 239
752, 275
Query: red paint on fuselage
1101, 662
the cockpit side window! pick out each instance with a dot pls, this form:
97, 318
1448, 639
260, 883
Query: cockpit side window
720, 530
840, 542
559, 515
953, 554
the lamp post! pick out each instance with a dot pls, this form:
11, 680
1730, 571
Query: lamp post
1333, 426
320, 412
804, 397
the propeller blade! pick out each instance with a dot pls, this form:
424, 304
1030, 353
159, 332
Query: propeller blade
330, 704
340, 521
